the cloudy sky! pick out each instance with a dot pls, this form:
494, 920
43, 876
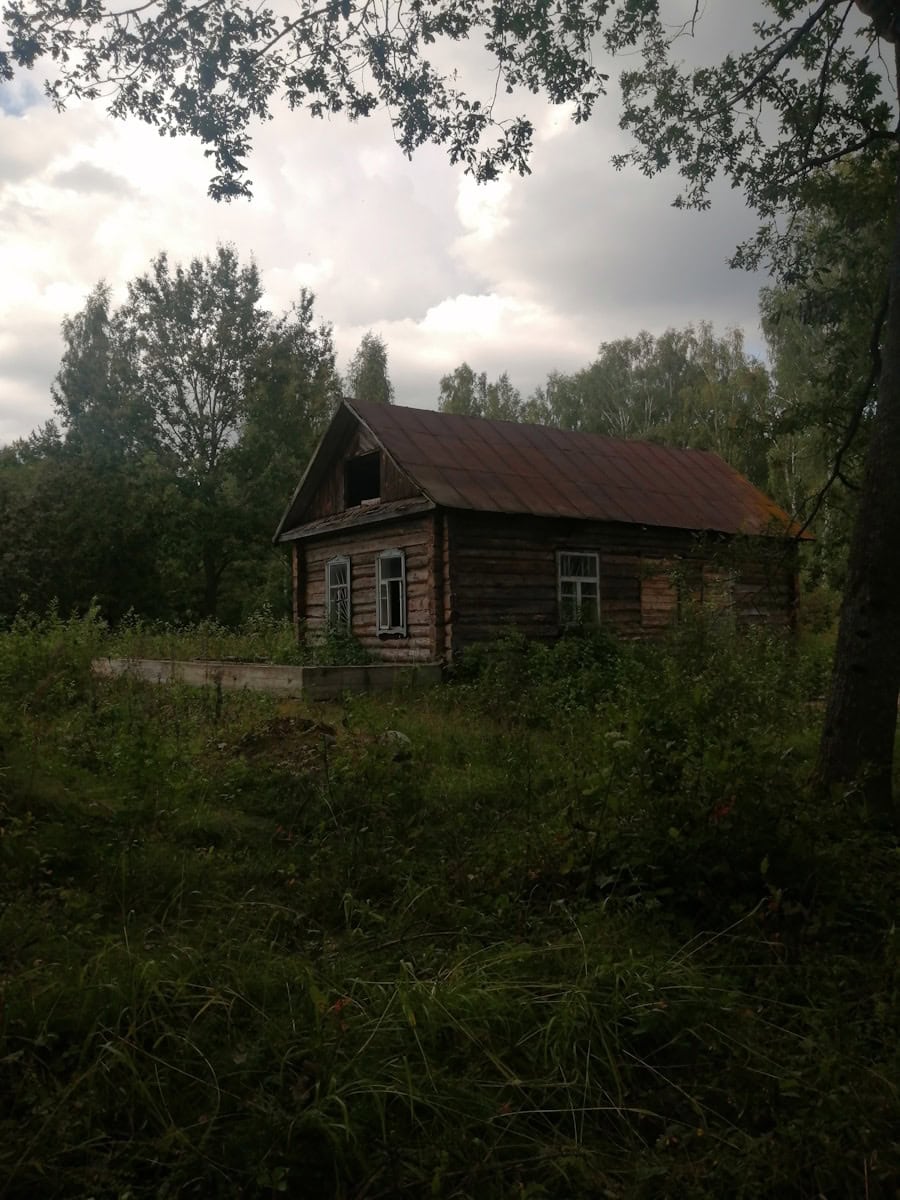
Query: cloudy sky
526, 275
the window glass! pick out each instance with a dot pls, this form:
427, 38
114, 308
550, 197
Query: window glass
337, 592
579, 566
392, 592
579, 588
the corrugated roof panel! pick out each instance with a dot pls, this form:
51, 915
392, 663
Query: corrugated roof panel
498, 433
685, 511
557, 438
605, 501
511, 460
482, 457
404, 449
550, 499
436, 451
501, 466
414, 420
639, 466
436, 483
577, 503
476, 495
523, 488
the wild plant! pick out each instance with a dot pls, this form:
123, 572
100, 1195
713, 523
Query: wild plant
248, 949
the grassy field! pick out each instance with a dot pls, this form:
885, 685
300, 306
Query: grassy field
586, 933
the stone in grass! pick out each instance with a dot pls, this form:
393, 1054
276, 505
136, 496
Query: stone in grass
401, 743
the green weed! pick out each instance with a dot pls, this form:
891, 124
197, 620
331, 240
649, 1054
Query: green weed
262, 637
593, 939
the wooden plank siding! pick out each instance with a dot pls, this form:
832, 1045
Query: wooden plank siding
503, 574
473, 576
329, 497
416, 538
438, 568
297, 593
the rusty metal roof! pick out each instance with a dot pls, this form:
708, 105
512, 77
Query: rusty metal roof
506, 467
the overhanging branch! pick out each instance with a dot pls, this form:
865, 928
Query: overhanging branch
856, 417
786, 48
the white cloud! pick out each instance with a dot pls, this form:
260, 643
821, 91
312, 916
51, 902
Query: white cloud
482, 208
525, 275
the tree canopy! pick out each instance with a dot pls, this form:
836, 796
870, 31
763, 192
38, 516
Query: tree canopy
185, 417
804, 90
367, 375
466, 392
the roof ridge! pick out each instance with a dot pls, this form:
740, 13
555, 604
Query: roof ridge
489, 464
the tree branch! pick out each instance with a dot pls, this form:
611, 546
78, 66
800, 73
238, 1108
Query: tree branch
825, 160
791, 44
856, 418
824, 78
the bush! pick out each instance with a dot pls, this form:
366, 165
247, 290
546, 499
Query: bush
538, 681
45, 661
608, 948
700, 801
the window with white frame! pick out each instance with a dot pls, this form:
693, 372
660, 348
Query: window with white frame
337, 592
392, 592
579, 587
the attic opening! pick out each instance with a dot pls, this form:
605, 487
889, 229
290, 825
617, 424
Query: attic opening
362, 479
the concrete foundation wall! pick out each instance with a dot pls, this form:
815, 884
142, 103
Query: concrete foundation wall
314, 683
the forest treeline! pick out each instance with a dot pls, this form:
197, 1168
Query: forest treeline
185, 416
183, 420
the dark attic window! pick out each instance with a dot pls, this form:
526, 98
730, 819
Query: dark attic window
362, 480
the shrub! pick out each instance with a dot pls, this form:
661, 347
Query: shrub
538, 681
700, 800
45, 661
611, 948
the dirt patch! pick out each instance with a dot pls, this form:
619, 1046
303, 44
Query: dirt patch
295, 743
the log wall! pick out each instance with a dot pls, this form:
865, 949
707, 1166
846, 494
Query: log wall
474, 576
416, 537
503, 574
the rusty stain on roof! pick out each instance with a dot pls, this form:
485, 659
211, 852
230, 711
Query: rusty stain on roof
502, 466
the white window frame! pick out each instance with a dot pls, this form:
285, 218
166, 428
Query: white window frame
382, 591
332, 615
578, 580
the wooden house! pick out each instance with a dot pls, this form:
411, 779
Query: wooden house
422, 532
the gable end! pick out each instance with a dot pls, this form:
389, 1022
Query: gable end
351, 473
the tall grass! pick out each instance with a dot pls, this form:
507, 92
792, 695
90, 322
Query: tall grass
262, 637
596, 939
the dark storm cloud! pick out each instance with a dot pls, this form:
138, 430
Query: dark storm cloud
401, 267
575, 254
600, 245
85, 178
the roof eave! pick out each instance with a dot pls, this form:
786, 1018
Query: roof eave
358, 519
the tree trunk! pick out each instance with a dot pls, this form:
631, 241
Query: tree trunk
861, 722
